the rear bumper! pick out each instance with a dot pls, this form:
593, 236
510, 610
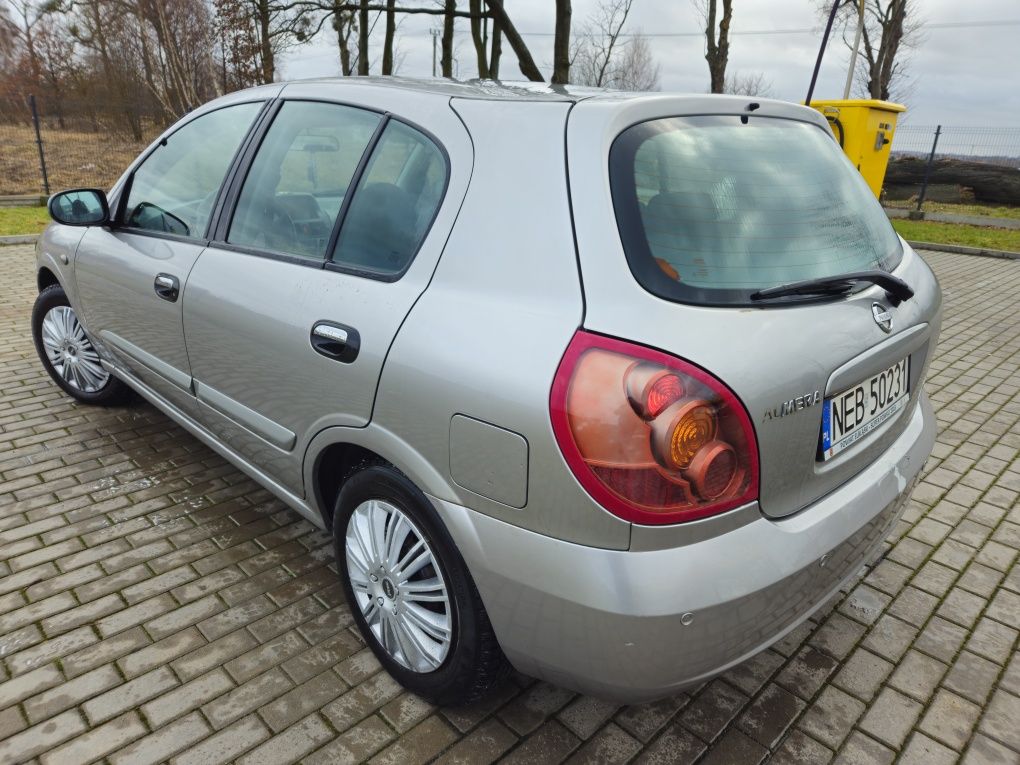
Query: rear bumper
635, 626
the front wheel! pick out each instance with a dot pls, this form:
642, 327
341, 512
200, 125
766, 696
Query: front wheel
67, 353
410, 591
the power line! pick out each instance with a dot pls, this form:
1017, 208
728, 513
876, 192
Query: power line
805, 30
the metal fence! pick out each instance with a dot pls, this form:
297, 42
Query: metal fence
44, 149
58, 144
954, 164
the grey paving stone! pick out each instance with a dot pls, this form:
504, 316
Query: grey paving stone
985, 751
769, 716
832, 716
972, 677
950, 719
921, 750
800, 749
862, 750
1001, 720
917, 676
891, 717
863, 674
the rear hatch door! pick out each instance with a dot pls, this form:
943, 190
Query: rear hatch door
679, 220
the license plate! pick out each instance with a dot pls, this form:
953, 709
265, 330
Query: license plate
853, 414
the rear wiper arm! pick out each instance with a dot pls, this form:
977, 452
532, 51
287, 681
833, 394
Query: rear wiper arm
897, 289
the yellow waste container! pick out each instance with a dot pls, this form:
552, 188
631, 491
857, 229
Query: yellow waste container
864, 128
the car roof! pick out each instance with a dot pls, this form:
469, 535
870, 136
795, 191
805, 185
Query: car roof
485, 90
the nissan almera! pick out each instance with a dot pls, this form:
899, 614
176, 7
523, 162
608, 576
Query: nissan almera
615, 389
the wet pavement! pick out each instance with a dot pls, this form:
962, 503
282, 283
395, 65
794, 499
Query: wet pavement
156, 604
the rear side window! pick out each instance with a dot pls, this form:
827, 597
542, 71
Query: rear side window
299, 177
711, 209
394, 204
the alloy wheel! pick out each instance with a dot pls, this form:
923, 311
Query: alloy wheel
399, 586
70, 352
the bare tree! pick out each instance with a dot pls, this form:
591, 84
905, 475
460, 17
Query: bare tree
891, 29
596, 42
21, 24
717, 38
524, 58
239, 45
604, 57
749, 84
345, 25
637, 69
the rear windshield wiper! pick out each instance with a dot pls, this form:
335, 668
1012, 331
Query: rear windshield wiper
897, 289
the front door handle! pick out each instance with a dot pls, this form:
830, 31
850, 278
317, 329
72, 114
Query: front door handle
336, 341
167, 287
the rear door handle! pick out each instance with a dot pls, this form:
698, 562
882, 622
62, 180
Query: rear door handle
336, 341
167, 287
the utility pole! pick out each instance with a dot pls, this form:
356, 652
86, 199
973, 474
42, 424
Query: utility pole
435, 38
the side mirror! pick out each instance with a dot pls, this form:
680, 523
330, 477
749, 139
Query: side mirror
79, 207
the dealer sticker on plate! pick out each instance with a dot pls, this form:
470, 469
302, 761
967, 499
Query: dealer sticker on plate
853, 414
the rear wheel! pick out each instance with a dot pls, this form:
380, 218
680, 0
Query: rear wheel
410, 591
67, 353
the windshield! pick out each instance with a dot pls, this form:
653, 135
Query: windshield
711, 209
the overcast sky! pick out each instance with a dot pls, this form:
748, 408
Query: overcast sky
960, 76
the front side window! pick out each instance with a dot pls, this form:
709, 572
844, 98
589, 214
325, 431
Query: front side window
174, 189
394, 204
299, 177
711, 209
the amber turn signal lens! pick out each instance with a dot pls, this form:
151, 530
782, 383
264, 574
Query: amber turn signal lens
681, 431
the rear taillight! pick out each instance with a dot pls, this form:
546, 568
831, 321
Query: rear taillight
652, 438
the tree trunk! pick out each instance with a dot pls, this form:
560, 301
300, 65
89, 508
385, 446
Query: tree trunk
391, 26
495, 51
343, 23
561, 44
718, 50
502, 21
363, 38
892, 35
478, 38
147, 57
265, 42
446, 60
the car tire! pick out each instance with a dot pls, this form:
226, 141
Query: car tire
68, 355
470, 664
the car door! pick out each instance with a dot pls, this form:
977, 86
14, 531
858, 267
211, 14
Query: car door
131, 276
336, 231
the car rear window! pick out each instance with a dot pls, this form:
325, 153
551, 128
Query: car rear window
713, 208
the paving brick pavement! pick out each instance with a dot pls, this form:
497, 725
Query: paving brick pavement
156, 605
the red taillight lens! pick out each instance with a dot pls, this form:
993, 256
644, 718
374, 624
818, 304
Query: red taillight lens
650, 389
652, 438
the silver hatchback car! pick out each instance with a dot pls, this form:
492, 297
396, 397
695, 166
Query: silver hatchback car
612, 388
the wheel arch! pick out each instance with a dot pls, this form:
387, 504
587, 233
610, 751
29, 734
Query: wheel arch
46, 278
335, 453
